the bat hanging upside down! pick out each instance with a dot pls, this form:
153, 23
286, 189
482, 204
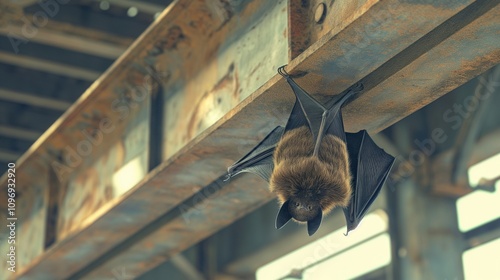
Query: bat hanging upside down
312, 185
313, 165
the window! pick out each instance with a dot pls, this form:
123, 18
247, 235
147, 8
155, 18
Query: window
480, 207
334, 254
476, 209
482, 262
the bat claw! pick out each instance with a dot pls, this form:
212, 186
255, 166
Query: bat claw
282, 71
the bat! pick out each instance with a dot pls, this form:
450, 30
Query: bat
313, 165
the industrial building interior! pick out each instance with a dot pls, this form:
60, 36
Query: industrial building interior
119, 119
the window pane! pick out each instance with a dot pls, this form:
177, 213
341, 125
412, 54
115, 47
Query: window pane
373, 224
353, 263
482, 262
487, 169
477, 208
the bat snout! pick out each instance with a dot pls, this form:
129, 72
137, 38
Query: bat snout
303, 211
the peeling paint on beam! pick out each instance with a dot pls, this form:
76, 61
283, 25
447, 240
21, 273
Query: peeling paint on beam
458, 58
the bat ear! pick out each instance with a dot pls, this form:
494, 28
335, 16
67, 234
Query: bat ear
283, 215
313, 225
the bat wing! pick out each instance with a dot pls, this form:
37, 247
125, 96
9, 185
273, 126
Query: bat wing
370, 165
260, 159
308, 111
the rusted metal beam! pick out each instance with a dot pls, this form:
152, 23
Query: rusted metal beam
154, 221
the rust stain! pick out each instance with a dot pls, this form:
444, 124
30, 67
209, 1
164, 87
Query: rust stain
214, 103
226, 80
255, 69
173, 37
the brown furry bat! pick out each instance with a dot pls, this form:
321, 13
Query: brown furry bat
311, 184
313, 165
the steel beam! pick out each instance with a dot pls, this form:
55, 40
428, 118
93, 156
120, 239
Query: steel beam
33, 100
382, 42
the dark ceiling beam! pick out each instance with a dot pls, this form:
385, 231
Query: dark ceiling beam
48, 66
79, 42
33, 100
8, 156
90, 21
41, 83
19, 133
141, 6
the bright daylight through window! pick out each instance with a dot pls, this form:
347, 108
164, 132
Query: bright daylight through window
479, 206
476, 209
335, 251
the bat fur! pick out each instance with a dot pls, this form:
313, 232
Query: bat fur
312, 184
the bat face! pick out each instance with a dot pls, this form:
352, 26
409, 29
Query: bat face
303, 209
311, 185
